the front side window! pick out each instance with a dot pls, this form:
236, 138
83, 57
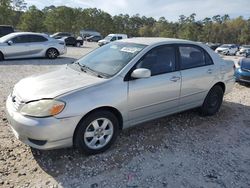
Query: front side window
113, 39
159, 60
191, 57
21, 39
111, 58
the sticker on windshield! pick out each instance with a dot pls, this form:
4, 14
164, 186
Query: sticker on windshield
130, 49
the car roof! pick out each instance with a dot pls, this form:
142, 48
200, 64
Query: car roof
155, 40
26, 33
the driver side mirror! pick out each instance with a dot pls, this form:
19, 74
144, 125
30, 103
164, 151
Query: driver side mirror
141, 73
10, 42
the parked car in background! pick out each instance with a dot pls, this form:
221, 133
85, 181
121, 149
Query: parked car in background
114, 87
60, 35
242, 71
72, 41
244, 50
5, 30
213, 46
111, 38
227, 49
89, 32
29, 45
94, 38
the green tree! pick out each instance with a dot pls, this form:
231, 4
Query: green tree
32, 20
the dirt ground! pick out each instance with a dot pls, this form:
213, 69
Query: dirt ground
182, 150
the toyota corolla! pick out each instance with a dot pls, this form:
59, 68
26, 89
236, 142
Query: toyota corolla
121, 84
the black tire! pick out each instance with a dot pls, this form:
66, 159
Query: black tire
78, 44
52, 53
213, 101
79, 140
1, 56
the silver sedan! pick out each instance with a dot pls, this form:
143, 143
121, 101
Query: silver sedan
30, 45
114, 87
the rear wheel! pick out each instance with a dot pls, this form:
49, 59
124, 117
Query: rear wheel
52, 53
213, 101
97, 132
78, 44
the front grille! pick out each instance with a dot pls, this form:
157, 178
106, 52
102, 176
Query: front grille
246, 70
245, 78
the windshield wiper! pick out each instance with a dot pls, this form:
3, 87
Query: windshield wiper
85, 68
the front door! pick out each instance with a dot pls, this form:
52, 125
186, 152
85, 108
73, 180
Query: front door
158, 95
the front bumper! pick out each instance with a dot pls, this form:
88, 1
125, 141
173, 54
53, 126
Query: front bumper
242, 76
41, 133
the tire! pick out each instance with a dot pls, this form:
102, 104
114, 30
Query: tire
52, 53
213, 101
92, 136
1, 56
78, 44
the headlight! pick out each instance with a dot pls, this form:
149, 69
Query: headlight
43, 108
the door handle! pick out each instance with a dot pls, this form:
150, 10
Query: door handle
175, 78
210, 71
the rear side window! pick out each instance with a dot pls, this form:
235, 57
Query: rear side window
119, 38
191, 57
159, 60
37, 38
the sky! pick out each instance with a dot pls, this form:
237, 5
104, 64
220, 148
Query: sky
170, 9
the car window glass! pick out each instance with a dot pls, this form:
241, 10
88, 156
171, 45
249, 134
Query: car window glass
36, 38
113, 39
21, 39
209, 60
190, 57
159, 60
119, 38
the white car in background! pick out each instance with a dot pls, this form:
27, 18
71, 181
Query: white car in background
244, 50
111, 38
227, 49
30, 45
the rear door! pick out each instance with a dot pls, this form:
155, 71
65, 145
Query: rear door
157, 95
198, 74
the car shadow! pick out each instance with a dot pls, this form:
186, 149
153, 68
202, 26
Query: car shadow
38, 61
165, 133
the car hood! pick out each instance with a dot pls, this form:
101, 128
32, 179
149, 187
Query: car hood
222, 49
53, 84
3, 44
103, 41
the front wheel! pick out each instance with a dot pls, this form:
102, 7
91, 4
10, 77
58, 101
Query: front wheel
97, 132
1, 56
213, 101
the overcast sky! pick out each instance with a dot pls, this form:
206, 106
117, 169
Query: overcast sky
170, 9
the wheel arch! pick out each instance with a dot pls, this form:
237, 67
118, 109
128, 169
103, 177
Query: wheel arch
52, 47
1, 53
116, 112
222, 85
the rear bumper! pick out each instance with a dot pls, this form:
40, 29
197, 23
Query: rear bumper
41, 133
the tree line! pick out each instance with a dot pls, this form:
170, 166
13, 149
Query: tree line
51, 19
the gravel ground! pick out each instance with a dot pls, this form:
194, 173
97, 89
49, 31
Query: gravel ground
182, 150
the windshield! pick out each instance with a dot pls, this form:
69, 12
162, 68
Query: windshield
246, 46
108, 38
245, 64
225, 46
111, 58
